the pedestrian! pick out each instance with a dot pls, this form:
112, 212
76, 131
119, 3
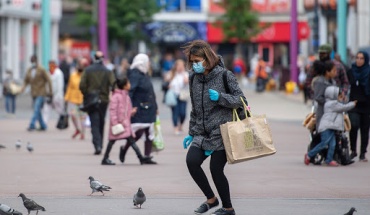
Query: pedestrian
331, 122
178, 79
359, 77
65, 67
261, 75
97, 79
41, 87
10, 88
326, 72
120, 112
341, 78
57, 101
212, 106
143, 98
74, 98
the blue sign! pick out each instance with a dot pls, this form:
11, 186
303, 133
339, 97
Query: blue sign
176, 32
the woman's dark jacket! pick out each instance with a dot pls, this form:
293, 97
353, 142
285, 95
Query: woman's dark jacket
359, 78
142, 96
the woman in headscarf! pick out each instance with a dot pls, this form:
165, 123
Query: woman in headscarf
143, 98
359, 76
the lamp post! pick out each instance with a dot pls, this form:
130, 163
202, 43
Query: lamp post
45, 32
102, 26
293, 42
342, 29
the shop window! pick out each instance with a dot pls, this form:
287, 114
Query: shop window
193, 5
265, 54
180, 5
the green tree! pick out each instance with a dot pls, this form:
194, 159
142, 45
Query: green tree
239, 22
124, 19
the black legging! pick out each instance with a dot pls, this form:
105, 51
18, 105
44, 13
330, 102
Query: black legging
359, 121
130, 141
194, 160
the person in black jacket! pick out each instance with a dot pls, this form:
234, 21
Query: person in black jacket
359, 78
97, 78
143, 98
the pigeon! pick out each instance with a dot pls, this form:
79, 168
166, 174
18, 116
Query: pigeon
29, 147
18, 144
2, 146
30, 204
6, 210
96, 186
139, 198
351, 211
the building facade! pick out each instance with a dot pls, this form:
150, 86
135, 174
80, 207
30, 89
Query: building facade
20, 34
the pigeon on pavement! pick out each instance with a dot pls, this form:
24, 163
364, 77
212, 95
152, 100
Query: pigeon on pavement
18, 144
29, 147
351, 211
139, 198
31, 205
6, 210
96, 186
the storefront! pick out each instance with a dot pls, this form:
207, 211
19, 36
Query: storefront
20, 34
272, 43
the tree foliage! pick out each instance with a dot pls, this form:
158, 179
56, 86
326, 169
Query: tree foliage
124, 18
239, 21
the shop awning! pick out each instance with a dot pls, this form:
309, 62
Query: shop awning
275, 33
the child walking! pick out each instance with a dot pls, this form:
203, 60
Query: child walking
120, 112
331, 121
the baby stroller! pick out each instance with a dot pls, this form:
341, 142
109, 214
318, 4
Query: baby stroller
341, 152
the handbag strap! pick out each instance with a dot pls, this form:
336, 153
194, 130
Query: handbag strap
246, 108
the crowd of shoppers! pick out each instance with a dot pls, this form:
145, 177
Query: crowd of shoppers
354, 85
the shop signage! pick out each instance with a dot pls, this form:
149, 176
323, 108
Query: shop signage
175, 32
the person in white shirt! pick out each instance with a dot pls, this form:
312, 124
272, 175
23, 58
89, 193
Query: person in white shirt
57, 101
178, 78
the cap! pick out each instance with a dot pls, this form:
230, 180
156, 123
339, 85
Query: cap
325, 48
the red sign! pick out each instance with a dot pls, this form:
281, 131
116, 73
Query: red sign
277, 32
215, 7
80, 49
271, 6
261, 6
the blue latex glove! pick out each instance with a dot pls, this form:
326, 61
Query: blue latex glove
208, 152
213, 95
187, 140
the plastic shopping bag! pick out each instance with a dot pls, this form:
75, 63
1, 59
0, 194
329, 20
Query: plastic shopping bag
158, 143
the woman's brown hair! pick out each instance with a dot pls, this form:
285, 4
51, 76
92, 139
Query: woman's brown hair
200, 48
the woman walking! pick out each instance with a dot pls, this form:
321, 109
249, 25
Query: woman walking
143, 98
212, 105
120, 112
178, 79
74, 99
359, 78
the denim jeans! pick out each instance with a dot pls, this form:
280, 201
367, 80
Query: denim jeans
10, 103
38, 102
179, 112
327, 139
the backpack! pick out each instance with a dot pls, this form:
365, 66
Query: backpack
240, 110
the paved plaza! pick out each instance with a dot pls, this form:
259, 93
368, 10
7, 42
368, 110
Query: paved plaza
56, 173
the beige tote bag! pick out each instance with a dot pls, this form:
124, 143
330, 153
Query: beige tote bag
247, 139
